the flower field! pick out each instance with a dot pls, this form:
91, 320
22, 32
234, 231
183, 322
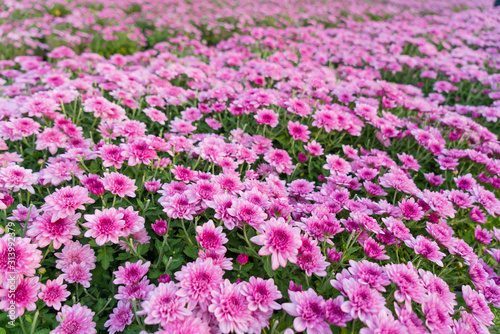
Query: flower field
277, 167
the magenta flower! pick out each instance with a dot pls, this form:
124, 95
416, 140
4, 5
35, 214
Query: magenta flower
122, 316
59, 232
230, 308
132, 273
119, 184
76, 319
363, 302
24, 296
211, 238
54, 292
104, 226
280, 240
164, 306
478, 306
309, 311
262, 294
65, 201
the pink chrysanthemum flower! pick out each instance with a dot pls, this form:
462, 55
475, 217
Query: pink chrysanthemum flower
438, 203
437, 286
179, 206
59, 232
280, 160
65, 201
164, 306
427, 248
78, 273
478, 305
24, 296
104, 226
54, 292
262, 294
279, 240
383, 322
230, 308
309, 311
155, 115
406, 279
267, 116
75, 253
314, 148
369, 273
16, 178
197, 280
76, 319
336, 165
299, 131
437, 317
211, 238
132, 273
137, 291
27, 257
247, 212
51, 138
122, 316
410, 209
139, 152
22, 214
119, 184
93, 184
111, 156
374, 250
189, 325
334, 313
363, 302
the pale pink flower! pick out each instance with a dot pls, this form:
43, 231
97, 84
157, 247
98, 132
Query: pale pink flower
119, 184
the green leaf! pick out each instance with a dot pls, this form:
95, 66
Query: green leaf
2, 331
268, 267
191, 251
43, 331
105, 256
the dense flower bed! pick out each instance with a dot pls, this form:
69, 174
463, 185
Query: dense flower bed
305, 167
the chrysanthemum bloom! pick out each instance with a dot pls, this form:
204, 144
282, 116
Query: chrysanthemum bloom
437, 317
427, 248
279, 240
337, 165
133, 221
119, 184
312, 261
104, 226
438, 203
437, 286
406, 279
230, 308
137, 291
122, 316
16, 178
138, 152
23, 127
111, 156
197, 280
410, 319
299, 131
93, 184
179, 206
280, 160
160, 227
76, 319
132, 272
334, 313
65, 201
51, 138
221, 203
211, 238
59, 232
370, 273
27, 257
373, 250
410, 209
152, 186
363, 302
54, 292
309, 311
22, 214
247, 212
189, 325
262, 294
314, 148
383, 322
164, 306
24, 296
155, 115
78, 273
478, 305
75, 253
267, 116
